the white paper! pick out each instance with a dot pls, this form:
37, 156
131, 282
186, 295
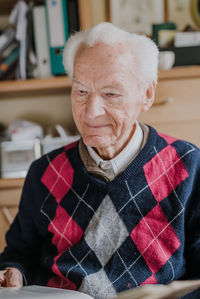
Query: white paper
32, 292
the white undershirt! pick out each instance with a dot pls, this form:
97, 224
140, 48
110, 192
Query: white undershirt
122, 160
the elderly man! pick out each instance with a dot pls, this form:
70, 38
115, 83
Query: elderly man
120, 208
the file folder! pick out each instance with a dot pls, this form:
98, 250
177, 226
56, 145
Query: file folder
6, 38
9, 62
41, 42
57, 27
73, 16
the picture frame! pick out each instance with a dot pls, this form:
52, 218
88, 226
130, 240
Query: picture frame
183, 13
137, 16
195, 11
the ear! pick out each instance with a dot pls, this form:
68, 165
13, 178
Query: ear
149, 97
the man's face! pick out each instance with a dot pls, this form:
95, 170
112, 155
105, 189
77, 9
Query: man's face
106, 97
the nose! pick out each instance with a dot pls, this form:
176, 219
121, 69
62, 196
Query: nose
94, 106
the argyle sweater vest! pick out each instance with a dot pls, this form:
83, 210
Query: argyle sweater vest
77, 232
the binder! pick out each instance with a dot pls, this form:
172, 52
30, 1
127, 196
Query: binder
161, 26
7, 51
18, 17
73, 16
41, 42
57, 27
6, 38
9, 62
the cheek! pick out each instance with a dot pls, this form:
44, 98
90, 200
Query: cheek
119, 118
76, 112
127, 117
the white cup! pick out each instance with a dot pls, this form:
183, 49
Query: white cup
166, 60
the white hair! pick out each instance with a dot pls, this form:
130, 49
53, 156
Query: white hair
142, 48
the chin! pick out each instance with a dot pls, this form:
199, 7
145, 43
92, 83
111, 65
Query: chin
96, 141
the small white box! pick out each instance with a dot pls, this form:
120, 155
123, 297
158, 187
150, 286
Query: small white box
17, 156
187, 39
52, 143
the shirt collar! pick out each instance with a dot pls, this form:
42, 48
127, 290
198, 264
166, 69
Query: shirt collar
122, 160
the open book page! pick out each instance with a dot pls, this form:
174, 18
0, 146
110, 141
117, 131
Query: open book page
158, 291
173, 290
32, 292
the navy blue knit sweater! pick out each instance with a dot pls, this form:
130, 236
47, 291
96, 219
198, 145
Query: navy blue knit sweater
77, 232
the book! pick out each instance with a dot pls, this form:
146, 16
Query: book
161, 26
10, 61
73, 16
57, 28
41, 43
156, 291
8, 50
6, 38
18, 17
31, 292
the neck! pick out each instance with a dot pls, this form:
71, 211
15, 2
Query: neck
108, 153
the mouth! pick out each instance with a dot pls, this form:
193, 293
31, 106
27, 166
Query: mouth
97, 126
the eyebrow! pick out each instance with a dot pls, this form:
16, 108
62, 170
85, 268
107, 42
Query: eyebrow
114, 85
111, 86
75, 81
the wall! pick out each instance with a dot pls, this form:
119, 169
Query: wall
99, 11
179, 11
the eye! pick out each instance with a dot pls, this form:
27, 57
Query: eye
112, 95
82, 92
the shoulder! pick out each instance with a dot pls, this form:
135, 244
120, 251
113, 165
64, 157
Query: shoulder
180, 144
169, 148
179, 149
54, 159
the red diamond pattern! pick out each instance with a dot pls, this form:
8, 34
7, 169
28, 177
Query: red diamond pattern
167, 138
151, 280
155, 226
60, 281
58, 177
71, 145
168, 172
63, 283
66, 232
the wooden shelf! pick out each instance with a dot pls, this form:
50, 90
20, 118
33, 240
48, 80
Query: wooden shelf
180, 72
11, 183
63, 82
30, 85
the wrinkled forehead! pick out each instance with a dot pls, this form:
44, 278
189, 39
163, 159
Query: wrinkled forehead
103, 54
103, 64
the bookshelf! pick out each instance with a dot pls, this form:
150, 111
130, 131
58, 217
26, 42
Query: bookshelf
31, 85
11, 183
61, 83
35, 99
180, 72
10, 193
176, 108
85, 21
84, 10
